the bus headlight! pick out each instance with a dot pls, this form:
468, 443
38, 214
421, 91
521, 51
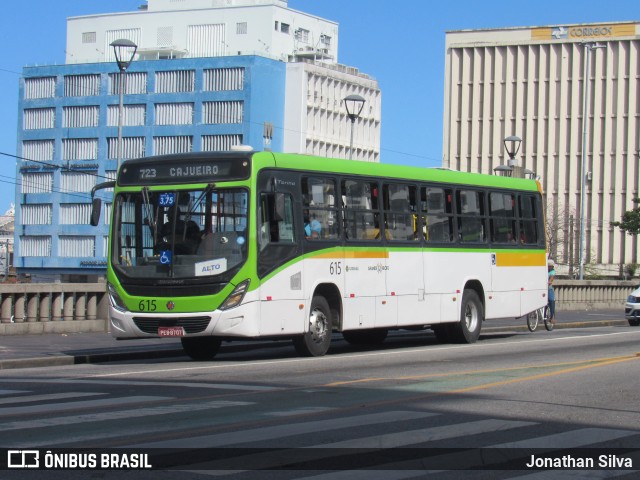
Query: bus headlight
114, 298
235, 298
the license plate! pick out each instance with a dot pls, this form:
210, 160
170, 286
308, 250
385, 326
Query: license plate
171, 331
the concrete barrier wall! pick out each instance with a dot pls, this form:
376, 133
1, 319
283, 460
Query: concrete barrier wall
53, 308
82, 307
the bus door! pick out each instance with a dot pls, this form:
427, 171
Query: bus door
281, 291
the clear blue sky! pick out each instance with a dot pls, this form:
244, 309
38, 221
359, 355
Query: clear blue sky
400, 43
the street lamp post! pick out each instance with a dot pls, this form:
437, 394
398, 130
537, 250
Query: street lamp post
354, 105
512, 146
124, 51
588, 48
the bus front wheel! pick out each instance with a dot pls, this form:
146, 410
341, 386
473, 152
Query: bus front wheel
471, 318
201, 348
316, 340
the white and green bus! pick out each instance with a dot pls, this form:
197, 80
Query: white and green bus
235, 245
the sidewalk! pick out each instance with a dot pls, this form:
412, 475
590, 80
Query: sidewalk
45, 350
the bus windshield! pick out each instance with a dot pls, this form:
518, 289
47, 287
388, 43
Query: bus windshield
179, 234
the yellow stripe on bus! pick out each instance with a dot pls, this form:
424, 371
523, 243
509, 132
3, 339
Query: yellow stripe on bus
516, 259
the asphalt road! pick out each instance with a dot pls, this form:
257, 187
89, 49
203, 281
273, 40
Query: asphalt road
409, 409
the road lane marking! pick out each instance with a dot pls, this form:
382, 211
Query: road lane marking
74, 406
46, 397
136, 413
282, 431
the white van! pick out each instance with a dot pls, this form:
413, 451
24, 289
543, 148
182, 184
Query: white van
632, 308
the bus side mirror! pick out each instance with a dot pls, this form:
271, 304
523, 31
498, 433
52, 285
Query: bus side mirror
96, 208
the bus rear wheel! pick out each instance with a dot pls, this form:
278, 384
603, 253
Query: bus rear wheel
201, 348
316, 340
467, 330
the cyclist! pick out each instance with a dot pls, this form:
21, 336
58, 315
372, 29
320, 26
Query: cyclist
552, 294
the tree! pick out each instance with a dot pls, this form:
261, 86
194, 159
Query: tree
630, 220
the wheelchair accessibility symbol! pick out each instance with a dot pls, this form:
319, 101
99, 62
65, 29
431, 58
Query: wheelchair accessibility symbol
165, 257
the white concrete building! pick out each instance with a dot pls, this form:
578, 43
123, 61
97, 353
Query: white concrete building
529, 82
165, 29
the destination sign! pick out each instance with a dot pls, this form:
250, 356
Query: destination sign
165, 171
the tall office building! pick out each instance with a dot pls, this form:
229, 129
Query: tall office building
207, 75
530, 82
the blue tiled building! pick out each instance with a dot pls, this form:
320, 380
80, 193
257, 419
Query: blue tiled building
68, 137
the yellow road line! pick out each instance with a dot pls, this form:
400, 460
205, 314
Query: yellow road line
578, 366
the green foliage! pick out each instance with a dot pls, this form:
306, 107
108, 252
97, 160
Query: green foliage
630, 269
630, 220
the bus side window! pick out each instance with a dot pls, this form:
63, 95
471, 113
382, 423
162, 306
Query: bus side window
529, 234
471, 212
503, 217
437, 214
361, 214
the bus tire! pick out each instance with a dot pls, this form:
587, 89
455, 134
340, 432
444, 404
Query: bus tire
316, 340
373, 336
467, 330
201, 348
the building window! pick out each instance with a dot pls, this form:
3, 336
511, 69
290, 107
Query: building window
174, 113
36, 214
132, 147
76, 246
167, 145
38, 150
222, 112
81, 85
325, 40
35, 246
37, 182
132, 115
284, 28
165, 36
71, 182
75, 213
206, 40
175, 81
81, 116
302, 35
89, 37
136, 83
41, 87
241, 28
221, 79
220, 143
79, 149
39, 118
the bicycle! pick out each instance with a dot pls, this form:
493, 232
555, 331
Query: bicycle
544, 314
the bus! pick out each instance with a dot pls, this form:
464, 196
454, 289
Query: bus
222, 246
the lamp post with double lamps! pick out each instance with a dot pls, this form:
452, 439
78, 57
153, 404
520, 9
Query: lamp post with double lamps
354, 105
124, 51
